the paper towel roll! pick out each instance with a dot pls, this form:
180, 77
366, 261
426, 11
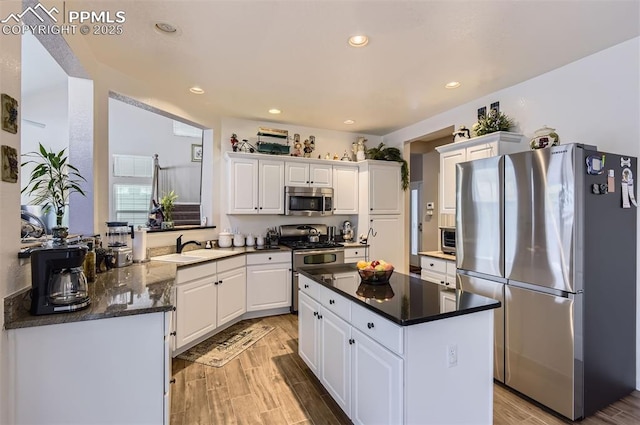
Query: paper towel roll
140, 245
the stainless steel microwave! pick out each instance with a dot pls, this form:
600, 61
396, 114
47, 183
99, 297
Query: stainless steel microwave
308, 201
448, 240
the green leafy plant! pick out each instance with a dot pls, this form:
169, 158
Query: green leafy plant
52, 180
391, 154
492, 122
168, 204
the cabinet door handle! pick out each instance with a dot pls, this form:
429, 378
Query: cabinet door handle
315, 313
173, 381
307, 181
319, 316
269, 258
174, 309
306, 286
311, 181
260, 207
255, 208
430, 264
172, 333
370, 325
351, 341
441, 282
370, 209
446, 283
332, 302
356, 252
220, 282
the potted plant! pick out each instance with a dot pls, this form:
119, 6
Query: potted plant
492, 122
391, 154
168, 204
51, 183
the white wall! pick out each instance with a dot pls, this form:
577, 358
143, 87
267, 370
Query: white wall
595, 100
11, 276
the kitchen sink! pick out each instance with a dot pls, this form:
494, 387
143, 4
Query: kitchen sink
179, 258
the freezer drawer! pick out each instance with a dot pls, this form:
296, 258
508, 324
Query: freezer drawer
493, 290
540, 351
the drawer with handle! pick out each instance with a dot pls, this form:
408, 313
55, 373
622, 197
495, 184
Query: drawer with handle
433, 264
334, 302
377, 328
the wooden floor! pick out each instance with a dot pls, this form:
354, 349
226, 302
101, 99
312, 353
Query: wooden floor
269, 384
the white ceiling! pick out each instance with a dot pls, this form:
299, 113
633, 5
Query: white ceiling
250, 56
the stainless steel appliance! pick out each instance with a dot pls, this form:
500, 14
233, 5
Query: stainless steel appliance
543, 230
308, 201
58, 283
448, 240
305, 253
119, 233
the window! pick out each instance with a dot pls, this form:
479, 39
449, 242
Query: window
132, 203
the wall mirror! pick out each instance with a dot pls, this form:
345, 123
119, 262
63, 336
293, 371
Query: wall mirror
153, 154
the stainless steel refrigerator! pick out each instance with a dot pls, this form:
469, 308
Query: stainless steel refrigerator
544, 227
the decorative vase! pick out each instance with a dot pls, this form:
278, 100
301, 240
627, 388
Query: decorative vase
167, 225
545, 137
59, 234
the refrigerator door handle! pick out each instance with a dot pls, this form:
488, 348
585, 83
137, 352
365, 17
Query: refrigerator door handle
541, 289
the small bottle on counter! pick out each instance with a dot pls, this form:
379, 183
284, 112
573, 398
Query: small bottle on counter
89, 264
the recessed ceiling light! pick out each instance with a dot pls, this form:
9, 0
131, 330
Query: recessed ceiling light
166, 27
349, 122
196, 90
274, 111
358, 40
452, 85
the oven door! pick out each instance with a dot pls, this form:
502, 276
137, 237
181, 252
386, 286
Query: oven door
312, 258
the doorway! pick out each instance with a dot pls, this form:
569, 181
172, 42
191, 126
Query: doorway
415, 217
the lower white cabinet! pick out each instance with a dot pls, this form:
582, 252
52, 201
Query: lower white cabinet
109, 371
268, 281
363, 377
377, 394
208, 296
442, 272
353, 255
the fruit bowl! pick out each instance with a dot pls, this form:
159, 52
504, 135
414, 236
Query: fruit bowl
375, 276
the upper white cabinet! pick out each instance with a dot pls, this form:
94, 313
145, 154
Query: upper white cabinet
345, 190
308, 175
385, 189
256, 186
498, 143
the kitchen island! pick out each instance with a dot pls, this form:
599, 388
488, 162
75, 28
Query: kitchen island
390, 353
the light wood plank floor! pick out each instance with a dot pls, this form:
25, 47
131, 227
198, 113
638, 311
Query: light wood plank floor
269, 384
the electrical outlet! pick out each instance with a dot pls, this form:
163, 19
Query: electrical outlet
431, 205
452, 355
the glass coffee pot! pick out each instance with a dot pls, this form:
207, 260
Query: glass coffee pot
68, 286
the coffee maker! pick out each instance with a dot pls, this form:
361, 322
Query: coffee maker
58, 283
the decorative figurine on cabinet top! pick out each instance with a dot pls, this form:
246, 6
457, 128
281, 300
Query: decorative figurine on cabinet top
297, 146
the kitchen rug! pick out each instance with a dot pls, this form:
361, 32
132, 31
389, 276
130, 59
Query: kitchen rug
226, 345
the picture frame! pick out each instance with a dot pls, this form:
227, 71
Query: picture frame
10, 164
9, 113
196, 153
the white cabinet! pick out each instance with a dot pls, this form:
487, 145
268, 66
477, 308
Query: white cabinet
69, 373
208, 296
256, 186
442, 272
195, 309
268, 281
377, 380
385, 239
308, 331
486, 146
362, 376
353, 255
304, 174
380, 215
335, 357
345, 190
385, 189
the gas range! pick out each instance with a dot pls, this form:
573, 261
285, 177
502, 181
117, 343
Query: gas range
296, 245
309, 254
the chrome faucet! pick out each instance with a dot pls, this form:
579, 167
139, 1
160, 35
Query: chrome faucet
180, 245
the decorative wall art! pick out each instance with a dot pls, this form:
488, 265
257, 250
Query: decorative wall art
9, 115
196, 153
9, 164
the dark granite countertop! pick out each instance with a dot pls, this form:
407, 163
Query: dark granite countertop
135, 289
405, 300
